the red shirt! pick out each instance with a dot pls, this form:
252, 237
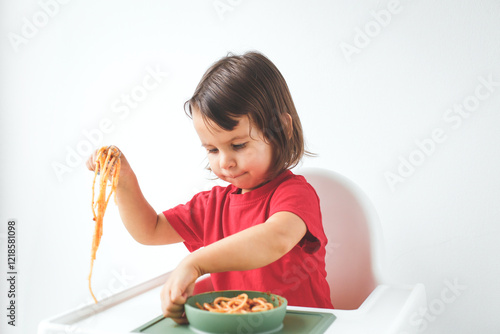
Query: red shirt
299, 275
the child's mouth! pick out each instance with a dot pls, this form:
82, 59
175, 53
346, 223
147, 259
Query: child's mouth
235, 177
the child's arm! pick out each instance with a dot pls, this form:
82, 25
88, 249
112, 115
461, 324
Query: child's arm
137, 215
252, 248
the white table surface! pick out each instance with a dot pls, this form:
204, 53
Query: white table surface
385, 311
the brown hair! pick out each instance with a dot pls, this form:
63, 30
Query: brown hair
251, 85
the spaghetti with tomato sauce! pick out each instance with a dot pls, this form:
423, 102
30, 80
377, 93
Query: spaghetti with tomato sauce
107, 167
239, 304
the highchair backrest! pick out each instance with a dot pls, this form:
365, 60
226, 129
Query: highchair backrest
346, 224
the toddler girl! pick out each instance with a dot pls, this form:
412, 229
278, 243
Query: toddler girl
261, 232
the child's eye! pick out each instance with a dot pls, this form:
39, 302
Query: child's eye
212, 150
239, 146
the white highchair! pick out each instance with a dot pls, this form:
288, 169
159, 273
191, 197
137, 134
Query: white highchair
355, 238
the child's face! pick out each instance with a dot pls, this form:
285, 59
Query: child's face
240, 157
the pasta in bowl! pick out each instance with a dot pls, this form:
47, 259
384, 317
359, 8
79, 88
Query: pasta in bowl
236, 311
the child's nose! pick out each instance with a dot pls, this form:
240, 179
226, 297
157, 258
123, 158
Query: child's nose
227, 161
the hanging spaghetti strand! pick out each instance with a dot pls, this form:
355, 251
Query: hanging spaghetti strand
107, 167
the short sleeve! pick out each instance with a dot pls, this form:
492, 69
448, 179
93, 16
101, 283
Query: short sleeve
299, 197
188, 220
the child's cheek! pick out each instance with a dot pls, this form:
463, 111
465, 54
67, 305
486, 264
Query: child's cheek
212, 161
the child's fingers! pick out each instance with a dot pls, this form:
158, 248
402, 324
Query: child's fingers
91, 163
189, 290
181, 320
172, 303
178, 297
174, 311
91, 160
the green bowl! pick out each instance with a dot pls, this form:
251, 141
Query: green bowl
258, 322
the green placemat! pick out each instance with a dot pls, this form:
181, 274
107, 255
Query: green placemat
298, 322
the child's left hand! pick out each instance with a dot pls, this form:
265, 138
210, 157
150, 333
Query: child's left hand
177, 289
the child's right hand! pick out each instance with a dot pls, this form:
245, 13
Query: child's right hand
125, 169
140, 219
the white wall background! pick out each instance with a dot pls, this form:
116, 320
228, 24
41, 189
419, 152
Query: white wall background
63, 75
